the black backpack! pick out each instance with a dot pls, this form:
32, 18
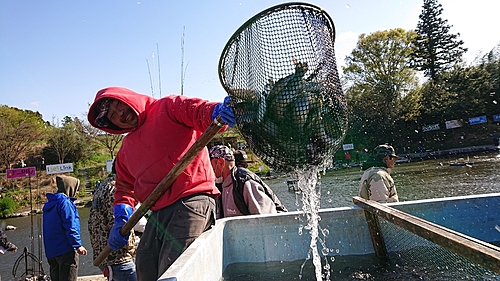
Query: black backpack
240, 176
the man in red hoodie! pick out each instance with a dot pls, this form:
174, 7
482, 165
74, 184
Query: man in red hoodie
159, 132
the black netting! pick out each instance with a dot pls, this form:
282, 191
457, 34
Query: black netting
280, 71
427, 260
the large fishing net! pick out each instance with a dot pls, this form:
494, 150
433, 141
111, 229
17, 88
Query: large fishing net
280, 71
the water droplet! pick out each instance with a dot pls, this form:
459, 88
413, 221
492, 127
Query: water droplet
325, 251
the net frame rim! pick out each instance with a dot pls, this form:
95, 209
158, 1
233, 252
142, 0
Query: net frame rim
263, 13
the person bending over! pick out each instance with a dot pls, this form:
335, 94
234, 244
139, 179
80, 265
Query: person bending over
158, 133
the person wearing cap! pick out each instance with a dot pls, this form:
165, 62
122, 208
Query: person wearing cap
240, 158
376, 183
61, 230
158, 133
254, 198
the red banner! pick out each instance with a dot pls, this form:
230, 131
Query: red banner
20, 172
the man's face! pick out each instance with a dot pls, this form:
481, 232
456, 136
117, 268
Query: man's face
121, 115
390, 161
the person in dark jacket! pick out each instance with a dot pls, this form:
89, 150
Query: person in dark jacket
61, 230
240, 158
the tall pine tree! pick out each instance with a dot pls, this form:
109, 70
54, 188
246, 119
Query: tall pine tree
435, 49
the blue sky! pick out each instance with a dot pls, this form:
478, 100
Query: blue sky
55, 55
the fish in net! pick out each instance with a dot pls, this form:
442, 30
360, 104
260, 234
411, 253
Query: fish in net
279, 69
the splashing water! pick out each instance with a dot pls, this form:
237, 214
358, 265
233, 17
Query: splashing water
308, 182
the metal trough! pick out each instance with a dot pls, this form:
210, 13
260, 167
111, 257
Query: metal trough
277, 238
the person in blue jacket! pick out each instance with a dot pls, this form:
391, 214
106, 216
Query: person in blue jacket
61, 230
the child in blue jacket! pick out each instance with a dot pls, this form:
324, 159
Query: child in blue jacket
61, 230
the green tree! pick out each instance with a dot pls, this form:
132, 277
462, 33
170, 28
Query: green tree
469, 87
95, 136
435, 49
111, 142
491, 64
7, 206
379, 82
463, 92
19, 130
66, 143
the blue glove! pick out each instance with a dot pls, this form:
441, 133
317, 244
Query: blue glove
226, 113
122, 214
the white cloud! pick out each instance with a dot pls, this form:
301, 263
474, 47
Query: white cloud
35, 103
344, 44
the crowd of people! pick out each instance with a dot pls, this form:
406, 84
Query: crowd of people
215, 184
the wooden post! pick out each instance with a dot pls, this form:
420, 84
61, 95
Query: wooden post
376, 235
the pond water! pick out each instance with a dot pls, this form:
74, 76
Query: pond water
417, 180
414, 181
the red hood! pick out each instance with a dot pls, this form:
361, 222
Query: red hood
136, 101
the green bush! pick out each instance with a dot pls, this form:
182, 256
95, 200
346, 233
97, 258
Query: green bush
7, 206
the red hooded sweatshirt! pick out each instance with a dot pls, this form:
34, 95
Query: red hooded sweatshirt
166, 129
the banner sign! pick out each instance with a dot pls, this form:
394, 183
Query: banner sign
477, 120
20, 172
496, 118
453, 124
348, 146
59, 168
109, 165
433, 127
